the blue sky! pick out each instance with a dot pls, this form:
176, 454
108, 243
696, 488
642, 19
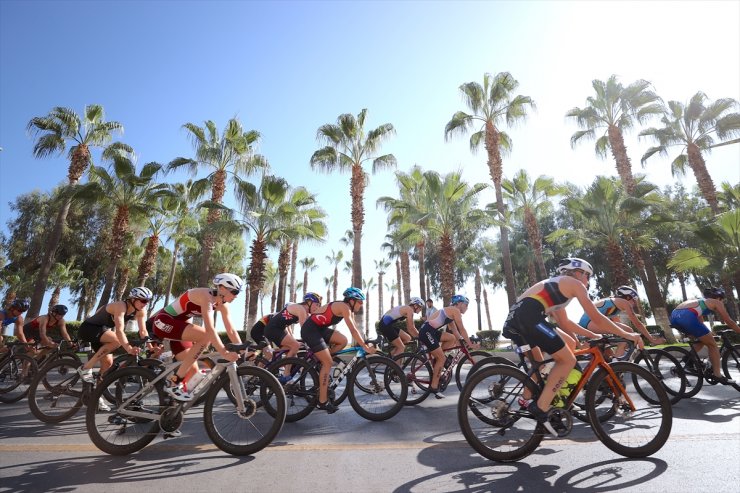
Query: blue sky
285, 68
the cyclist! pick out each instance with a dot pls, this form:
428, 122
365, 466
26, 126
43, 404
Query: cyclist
526, 324
625, 300
277, 328
688, 317
438, 340
13, 315
187, 339
319, 337
395, 336
36, 329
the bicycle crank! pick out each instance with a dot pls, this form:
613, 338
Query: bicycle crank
171, 419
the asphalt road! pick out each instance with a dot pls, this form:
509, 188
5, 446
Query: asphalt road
421, 449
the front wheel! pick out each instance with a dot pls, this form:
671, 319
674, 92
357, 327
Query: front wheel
56, 391
731, 365
692, 367
301, 387
642, 417
378, 388
666, 369
249, 430
467, 363
418, 372
16, 374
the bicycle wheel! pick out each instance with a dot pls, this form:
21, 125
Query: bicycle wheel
467, 363
245, 432
16, 374
418, 372
490, 417
486, 362
692, 369
666, 369
378, 388
132, 423
731, 365
636, 430
301, 390
56, 391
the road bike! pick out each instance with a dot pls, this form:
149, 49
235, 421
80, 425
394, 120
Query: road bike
627, 407
16, 372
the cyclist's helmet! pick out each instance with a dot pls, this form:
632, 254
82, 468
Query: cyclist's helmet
21, 304
141, 293
415, 300
311, 296
627, 292
353, 294
573, 263
712, 292
460, 298
59, 309
229, 281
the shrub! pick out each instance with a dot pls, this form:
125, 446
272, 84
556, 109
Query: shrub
488, 338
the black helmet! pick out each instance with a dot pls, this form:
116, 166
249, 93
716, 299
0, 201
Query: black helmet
21, 304
712, 292
60, 309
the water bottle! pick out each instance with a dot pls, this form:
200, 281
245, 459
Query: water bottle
568, 387
448, 360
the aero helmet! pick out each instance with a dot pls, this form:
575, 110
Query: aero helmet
627, 292
354, 294
573, 263
229, 281
60, 309
311, 296
460, 298
21, 304
141, 293
712, 292
415, 300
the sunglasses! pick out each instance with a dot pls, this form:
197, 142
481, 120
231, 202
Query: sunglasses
146, 302
235, 292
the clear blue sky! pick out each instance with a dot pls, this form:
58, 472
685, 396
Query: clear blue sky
285, 68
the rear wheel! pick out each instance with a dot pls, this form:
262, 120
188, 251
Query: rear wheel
301, 387
642, 420
378, 388
467, 363
418, 372
731, 365
486, 362
491, 418
56, 391
16, 374
666, 369
692, 367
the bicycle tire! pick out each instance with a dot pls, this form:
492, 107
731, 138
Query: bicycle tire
245, 433
691, 366
477, 356
116, 433
731, 365
666, 369
56, 391
490, 417
16, 374
301, 394
489, 361
378, 388
418, 372
653, 414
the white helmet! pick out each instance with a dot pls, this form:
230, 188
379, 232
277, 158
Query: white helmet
229, 281
626, 292
415, 300
573, 263
141, 293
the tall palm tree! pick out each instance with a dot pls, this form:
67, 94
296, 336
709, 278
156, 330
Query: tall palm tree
158, 224
308, 264
368, 287
691, 127
130, 194
380, 267
328, 282
397, 249
53, 132
491, 104
293, 268
230, 153
530, 201
347, 148
335, 259
131, 256
63, 276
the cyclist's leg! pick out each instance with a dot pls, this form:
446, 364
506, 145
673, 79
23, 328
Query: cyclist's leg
106, 343
335, 340
713, 350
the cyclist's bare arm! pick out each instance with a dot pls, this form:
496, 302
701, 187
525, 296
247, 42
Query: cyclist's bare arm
231, 332
410, 327
719, 308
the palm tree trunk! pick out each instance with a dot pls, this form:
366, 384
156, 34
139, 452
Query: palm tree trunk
209, 240
406, 273
615, 258
122, 283
380, 295
447, 272
293, 264
495, 168
55, 297
703, 179
488, 311
420, 251
399, 285
148, 261
173, 266
619, 151
283, 258
357, 194
256, 277
478, 285
335, 284
120, 228
535, 239
730, 301
655, 297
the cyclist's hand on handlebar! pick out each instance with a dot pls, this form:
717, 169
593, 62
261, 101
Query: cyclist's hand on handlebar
230, 356
371, 349
638, 340
131, 349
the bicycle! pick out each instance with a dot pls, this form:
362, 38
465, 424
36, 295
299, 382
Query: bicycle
244, 407
375, 385
627, 407
418, 369
698, 370
16, 372
57, 391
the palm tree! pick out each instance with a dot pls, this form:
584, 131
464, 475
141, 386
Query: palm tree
368, 287
380, 267
328, 282
63, 276
396, 251
335, 259
491, 104
53, 132
308, 264
530, 201
347, 148
232, 152
158, 224
131, 256
691, 127
130, 194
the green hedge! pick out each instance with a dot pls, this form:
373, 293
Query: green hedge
489, 338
